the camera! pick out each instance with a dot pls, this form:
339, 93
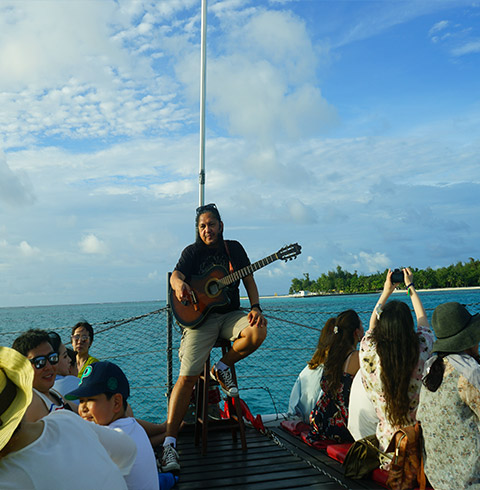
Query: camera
397, 276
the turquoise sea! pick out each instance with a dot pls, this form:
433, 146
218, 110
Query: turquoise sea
135, 338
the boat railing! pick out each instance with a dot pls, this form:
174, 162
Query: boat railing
146, 348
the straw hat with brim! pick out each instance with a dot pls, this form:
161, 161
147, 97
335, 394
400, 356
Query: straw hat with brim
16, 378
455, 328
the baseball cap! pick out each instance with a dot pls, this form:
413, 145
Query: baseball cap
101, 377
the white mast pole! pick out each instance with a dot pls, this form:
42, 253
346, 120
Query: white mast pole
203, 78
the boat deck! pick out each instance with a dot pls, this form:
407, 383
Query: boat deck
279, 461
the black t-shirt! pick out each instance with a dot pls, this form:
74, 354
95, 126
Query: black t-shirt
197, 259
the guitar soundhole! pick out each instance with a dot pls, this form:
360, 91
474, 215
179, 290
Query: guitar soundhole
213, 288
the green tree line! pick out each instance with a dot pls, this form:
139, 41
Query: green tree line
454, 276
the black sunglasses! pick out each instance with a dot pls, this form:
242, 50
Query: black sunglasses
40, 361
208, 207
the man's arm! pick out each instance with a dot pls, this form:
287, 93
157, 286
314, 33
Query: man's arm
181, 288
255, 316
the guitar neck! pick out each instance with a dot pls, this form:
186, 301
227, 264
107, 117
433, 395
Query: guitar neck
246, 271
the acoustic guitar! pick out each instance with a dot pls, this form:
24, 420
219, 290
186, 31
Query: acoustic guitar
208, 290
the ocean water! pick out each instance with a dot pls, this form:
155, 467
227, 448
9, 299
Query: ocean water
19, 319
130, 335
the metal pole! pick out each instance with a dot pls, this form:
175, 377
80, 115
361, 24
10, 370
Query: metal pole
169, 341
203, 79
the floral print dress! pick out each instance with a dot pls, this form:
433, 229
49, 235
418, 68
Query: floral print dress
450, 419
370, 369
329, 418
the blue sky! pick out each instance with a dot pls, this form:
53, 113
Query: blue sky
350, 127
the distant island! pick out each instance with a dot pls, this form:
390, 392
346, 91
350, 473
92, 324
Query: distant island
459, 275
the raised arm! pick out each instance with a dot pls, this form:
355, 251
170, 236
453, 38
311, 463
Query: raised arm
255, 317
178, 284
388, 289
420, 313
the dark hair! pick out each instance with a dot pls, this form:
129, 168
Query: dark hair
29, 340
434, 378
86, 326
72, 355
124, 400
346, 323
208, 208
323, 345
398, 349
55, 341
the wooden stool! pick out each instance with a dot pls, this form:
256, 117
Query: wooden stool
202, 422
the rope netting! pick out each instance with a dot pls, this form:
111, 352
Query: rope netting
146, 348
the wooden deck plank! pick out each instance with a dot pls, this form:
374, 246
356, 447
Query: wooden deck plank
286, 465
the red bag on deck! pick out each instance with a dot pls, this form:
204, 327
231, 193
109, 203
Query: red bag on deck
247, 414
406, 470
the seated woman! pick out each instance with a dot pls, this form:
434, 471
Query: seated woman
42, 454
73, 368
392, 356
306, 390
64, 380
449, 408
82, 339
36, 345
328, 419
362, 418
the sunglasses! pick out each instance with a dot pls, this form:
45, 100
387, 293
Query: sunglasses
81, 338
40, 362
208, 207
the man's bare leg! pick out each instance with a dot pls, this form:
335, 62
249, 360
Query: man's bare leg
178, 404
250, 339
177, 408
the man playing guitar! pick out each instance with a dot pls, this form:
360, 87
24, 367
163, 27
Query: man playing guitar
226, 321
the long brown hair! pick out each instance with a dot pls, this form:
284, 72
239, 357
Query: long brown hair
343, 341
323, 345
398, 349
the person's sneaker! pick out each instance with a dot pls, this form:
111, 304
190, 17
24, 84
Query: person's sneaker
225, 380
170, 460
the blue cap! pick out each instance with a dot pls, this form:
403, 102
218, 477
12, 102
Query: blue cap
101, 377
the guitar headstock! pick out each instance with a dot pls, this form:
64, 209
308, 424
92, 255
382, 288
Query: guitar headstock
289, 252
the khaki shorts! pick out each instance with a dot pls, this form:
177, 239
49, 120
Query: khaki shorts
197, 343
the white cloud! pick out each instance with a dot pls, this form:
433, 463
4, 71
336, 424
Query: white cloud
27, 250
60, 81
468, 48
438, 27
100, 133
90, 244
15, 190
153, 275
373, 262
265, 88
458, 38
298, 212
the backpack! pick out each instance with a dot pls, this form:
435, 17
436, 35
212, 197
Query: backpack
406, 470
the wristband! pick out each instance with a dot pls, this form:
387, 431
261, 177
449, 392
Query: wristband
409, 286
256, 305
